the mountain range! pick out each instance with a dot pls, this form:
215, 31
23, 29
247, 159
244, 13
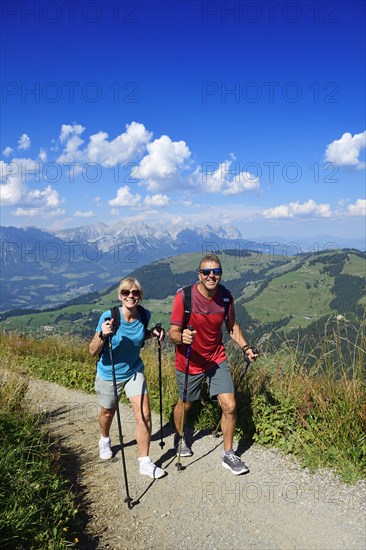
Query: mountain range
42, 268
46, 268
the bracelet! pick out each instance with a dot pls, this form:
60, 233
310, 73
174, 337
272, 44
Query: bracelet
245, 348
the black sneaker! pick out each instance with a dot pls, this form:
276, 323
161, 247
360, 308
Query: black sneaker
184, 450
233, 463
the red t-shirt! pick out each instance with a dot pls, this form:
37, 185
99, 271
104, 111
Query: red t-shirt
207, 316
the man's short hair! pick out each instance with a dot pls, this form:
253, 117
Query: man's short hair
210, 258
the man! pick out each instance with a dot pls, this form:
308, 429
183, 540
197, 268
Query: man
207, 357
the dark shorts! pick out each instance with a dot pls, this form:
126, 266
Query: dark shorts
219, 380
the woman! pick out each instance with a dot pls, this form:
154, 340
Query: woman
129, 369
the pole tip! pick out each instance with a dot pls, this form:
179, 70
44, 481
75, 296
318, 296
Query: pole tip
128, 500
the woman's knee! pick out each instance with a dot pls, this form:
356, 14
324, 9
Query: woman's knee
107, 413
143, 416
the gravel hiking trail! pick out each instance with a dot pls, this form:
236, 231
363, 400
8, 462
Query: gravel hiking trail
277, 505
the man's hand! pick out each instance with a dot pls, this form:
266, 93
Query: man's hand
251, 353
188, 335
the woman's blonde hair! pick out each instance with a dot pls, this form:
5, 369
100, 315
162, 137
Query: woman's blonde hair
127, 283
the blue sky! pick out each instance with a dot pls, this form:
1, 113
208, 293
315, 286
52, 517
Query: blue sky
250, 114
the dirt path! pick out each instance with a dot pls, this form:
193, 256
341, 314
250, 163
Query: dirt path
276, 506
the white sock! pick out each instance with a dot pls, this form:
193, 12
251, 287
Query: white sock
104, 438
144, 459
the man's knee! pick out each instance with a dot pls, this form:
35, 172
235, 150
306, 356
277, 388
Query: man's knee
187, 405
227, 403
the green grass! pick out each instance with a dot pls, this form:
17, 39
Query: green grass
355, 265
318, 415
37, 507
305, 294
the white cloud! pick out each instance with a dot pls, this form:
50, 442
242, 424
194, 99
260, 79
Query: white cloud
159, 168
98, 201
13, 177
358, 208
125, 198
87, 214
42, 155
39, 213
8, 151
24, 142
70, 137
15, 190
346, 150
12, 188
298, 210
123, 148
48, 196
70, 130
177, 220
156, 200
227, 179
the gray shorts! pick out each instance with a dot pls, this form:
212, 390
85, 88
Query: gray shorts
136, 385
219, 380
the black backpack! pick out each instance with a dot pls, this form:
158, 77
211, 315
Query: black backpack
116, 316
187, 294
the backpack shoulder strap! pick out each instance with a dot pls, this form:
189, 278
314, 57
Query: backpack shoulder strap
144, 320
187, 299
226, 298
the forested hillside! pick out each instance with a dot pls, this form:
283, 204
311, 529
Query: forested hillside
299, 297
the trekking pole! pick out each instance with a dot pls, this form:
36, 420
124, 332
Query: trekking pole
246, 366
128, 499
178, 464
158, 327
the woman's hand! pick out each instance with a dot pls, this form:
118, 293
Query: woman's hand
159, 332
107, 328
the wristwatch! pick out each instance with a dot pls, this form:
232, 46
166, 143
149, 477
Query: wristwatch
101, 335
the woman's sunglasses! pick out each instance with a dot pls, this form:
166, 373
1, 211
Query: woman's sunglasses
135, 293
206, 272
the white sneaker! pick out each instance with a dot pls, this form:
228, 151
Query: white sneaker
148, 468
105, 451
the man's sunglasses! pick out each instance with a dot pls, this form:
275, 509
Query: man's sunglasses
206, 272
135, 293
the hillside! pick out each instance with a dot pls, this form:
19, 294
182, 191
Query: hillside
271, 292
